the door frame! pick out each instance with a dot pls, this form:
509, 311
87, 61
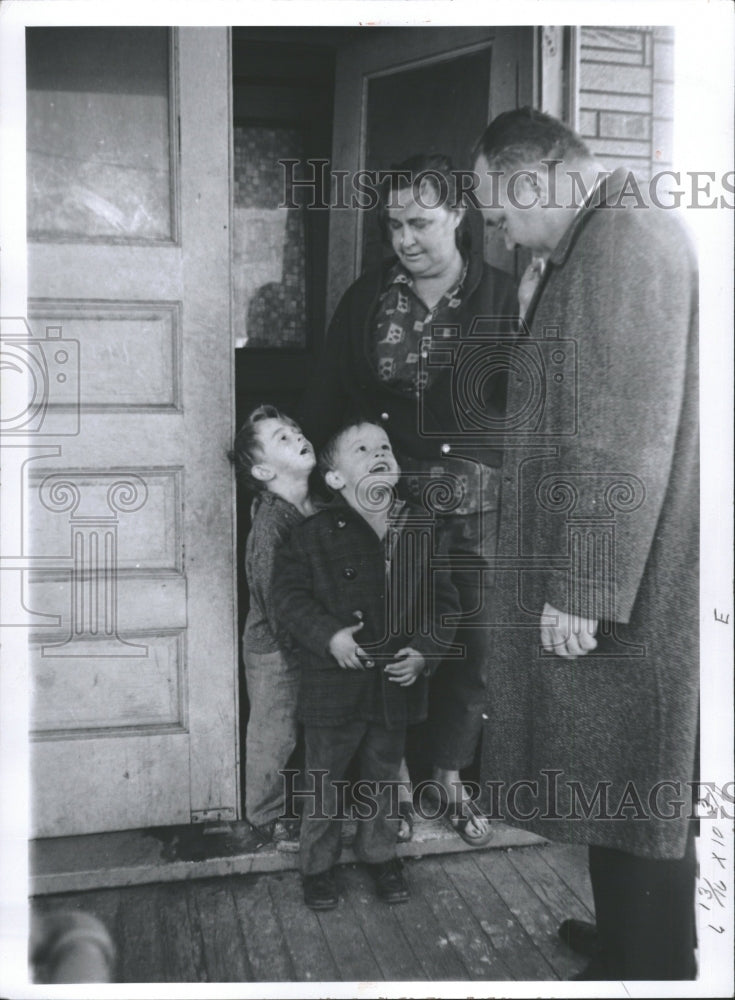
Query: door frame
514, 75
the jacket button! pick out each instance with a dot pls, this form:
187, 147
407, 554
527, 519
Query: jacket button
341, 523
349, 573
445, 449
384, 416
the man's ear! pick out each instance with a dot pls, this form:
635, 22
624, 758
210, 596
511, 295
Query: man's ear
263, 473
334, 480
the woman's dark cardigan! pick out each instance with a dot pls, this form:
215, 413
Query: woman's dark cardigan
445, 419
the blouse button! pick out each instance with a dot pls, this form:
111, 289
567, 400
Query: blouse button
445, 449
384, 416
349, 573
341, 523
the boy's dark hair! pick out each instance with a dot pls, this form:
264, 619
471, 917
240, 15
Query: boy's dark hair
434, 169
246, 451
328, 454
527, 136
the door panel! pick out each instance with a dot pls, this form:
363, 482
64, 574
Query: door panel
395, 78
134, 679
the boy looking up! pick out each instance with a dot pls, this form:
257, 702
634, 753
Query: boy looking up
351, 587
275, 460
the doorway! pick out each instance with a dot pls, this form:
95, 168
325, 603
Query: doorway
336, 100
283, 89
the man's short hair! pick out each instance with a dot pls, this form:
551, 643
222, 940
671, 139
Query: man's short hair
526, 136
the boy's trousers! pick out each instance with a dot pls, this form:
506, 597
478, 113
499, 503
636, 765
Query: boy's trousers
330, 749
271, 734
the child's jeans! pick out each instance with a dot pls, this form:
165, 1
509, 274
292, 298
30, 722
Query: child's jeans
271, 734
331, 748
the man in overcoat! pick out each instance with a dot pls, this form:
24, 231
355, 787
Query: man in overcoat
594, 679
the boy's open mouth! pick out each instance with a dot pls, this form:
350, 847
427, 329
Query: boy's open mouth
305, 450
379, 467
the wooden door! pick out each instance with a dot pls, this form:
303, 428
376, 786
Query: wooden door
404, 91
129, 500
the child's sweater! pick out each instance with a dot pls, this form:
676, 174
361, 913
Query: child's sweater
272, 521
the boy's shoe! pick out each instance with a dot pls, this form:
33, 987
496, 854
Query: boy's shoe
320, 890
389, 881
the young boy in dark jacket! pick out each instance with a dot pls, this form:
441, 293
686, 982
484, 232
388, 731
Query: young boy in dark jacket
356, 590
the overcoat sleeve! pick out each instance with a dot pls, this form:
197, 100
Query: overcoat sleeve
631, 303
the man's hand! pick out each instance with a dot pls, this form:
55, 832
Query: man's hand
567, 635
407, 669
345, 650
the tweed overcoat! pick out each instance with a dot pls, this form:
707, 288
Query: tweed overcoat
599, 517
335, 572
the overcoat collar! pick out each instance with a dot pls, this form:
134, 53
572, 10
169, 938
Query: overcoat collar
608, 190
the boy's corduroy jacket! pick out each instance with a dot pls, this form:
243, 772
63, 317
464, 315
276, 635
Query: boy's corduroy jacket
334, 573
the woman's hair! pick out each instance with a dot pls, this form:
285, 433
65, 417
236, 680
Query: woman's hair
527, 136
412, 174
247, 450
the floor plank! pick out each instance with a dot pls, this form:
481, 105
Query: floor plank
463, 930
261, 931
425, 935
528, 909
225, 955
142, 957
570, 863
548, 885
489, 915
179, 925
345, 938
303, 935
381, 928
506, 935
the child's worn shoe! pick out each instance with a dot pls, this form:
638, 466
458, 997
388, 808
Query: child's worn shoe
389, 881
320, 890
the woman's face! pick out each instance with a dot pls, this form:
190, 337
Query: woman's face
422, 232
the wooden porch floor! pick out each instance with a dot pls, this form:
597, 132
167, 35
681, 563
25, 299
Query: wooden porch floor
480, 915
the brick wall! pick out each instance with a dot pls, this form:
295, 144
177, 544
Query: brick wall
626, 95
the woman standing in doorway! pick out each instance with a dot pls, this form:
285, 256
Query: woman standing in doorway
376, 366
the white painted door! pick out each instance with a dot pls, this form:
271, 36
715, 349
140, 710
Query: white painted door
129, 498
